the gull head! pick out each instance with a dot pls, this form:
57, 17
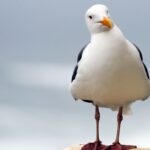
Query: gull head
98, 19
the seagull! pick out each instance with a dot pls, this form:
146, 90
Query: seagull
109, 73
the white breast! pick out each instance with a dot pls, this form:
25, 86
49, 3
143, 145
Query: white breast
110, 72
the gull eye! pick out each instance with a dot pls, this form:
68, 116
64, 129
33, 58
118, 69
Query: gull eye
91, 17
107, 11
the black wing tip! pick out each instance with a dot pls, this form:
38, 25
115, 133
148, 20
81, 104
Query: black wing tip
141, 56
80, 53
88, 101
140, 53
146, 70
74, 73
78, 59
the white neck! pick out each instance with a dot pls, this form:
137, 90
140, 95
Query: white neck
114, 33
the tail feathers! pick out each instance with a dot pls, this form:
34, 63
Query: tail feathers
126, 109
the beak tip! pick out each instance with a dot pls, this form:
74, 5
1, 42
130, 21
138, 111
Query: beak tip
107, 22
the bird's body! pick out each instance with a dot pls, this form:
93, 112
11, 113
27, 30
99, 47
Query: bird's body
110, 71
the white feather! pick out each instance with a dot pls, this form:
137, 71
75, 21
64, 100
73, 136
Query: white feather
110, 72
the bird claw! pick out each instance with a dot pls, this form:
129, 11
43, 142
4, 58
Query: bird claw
118, 146
97, 145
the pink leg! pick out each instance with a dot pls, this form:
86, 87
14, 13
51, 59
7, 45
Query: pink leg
97, 145
97, 118
119, 119
116, 145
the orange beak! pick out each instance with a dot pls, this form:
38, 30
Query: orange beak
107, 22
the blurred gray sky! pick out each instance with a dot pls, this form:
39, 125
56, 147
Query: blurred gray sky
39, 42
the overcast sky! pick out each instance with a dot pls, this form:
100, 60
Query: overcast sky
39, 43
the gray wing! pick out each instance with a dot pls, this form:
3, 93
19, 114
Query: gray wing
140, 53
76, 69
78, 59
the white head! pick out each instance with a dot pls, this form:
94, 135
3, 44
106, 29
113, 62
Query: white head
98, 19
